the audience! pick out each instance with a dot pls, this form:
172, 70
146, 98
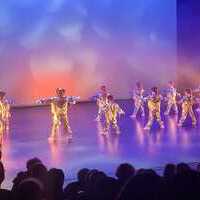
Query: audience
56, 179
77, 188
29, 189
4, 194
30, 163
124, 172
146, 185
169, 171
39, 183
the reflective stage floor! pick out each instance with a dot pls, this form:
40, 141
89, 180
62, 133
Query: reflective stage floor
30, 128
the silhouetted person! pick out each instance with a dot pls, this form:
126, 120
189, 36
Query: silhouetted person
186, 184
144, 186
26, 174
18, 179
169, 171
168, 182
55, 184
124, 172
198, 168
31, 162
182, 167
107, 189
29, 189
77, 188
39, 171
93, 180
4, 194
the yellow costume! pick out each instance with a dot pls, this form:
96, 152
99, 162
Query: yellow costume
196, 92
171, 100
187, 109
1, 117
138, 102
59, 110
154, 111
4, 115
111, 113
102, 102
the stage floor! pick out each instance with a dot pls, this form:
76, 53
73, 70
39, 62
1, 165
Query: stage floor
30, 128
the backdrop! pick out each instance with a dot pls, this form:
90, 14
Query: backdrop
80, 44
188, 40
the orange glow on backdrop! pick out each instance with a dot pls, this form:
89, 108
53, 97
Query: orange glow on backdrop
47, 84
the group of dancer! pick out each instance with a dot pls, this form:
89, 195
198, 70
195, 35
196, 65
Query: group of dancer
109, 110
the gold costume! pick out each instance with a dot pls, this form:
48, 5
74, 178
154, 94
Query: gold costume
171, 100
111, 113
138, 102
59, 110
102, 102
4, 115
153, 103
187, 109
196, 93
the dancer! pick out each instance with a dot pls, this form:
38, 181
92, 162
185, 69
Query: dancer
154, 101
59, 110
111, 112
138, 98
102, 101
4, 112
197, 95
171, 98
187, 108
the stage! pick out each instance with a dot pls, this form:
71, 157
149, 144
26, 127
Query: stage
30, 128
